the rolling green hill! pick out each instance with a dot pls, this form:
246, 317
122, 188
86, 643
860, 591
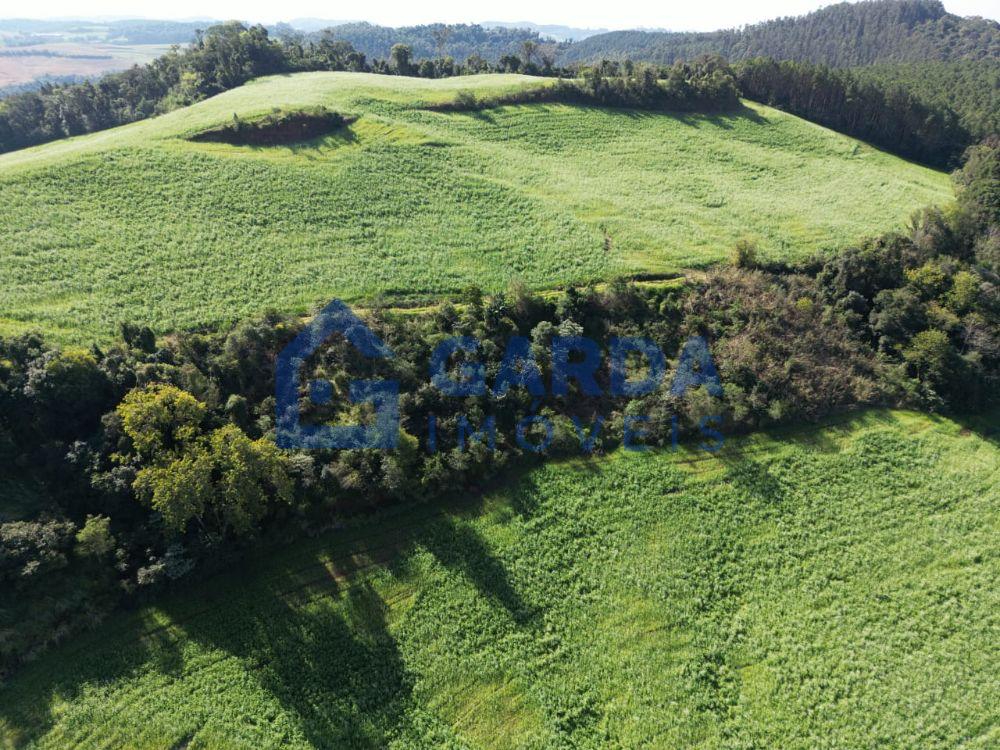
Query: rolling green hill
141, 224
828, 587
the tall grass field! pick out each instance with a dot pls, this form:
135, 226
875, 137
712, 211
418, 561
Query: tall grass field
817, 588
140, 224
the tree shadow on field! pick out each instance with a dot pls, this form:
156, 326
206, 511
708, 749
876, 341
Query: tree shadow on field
311, 149
482, 115
459, 548
315, 638
117, 650
985, 426
753, 479
527, 497
331, 663
321, 644
722, 120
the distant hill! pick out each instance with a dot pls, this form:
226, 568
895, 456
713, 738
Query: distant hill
842, 35
557, 32
17, 31
316, 24
457, 40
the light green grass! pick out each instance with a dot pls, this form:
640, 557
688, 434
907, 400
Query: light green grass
830, 587
138, 224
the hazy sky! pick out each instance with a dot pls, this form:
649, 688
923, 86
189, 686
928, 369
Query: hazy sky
699, 15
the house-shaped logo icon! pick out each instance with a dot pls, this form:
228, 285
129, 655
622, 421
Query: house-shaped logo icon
336, 317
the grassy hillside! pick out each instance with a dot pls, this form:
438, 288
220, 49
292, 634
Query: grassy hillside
140, 223
820, 588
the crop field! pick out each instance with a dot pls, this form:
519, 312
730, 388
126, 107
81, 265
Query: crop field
140, 224
19, 65
824, 587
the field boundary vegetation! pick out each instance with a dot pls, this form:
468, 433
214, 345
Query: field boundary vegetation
159, 460
567, 555
798, 542
228, 55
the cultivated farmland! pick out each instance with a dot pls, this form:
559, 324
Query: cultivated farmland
829, 587
23, 64
141, 224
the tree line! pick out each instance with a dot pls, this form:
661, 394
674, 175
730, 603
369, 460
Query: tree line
228, 55
841, 35
969, 87
231, 54
706, 85
459, 41
157, 459
890, 117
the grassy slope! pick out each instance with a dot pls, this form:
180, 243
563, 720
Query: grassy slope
137, 223
821, 588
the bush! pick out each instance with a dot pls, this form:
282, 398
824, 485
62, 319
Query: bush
94, 539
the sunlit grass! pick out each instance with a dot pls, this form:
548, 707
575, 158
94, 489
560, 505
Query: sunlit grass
805, 587
138, 224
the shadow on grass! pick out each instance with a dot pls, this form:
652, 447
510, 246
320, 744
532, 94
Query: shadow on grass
459, 548
28, 706
324, 650
753, 480
312, 148
314, 637
693, 118
985, 426
331, 664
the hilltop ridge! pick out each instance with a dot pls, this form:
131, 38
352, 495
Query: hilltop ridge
409, 203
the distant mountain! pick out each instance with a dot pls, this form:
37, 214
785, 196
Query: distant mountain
129, 31
555, 31
457, 40
316, 24
843, 35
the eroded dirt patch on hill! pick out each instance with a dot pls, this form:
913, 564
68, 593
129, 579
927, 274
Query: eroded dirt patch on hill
276, 129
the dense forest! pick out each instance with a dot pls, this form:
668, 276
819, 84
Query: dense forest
888, 116
922, 83
157, 458
458, 41
969, 87
842, 35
